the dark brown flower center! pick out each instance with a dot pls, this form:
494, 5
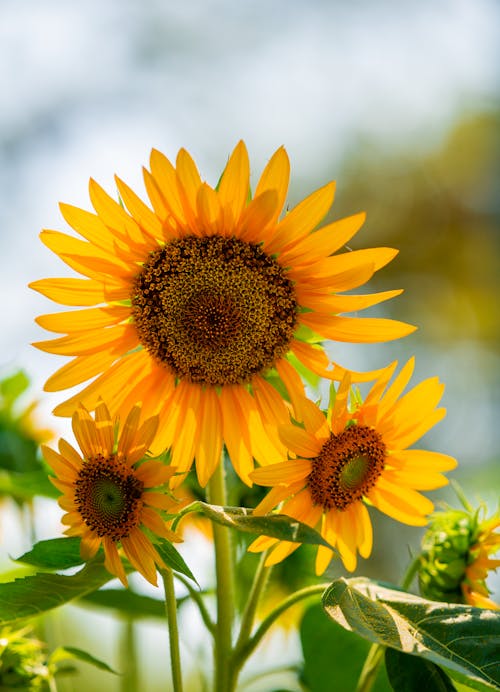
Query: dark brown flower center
108, 496
348, 465
214, 310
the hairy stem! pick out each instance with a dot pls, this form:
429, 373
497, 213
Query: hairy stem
224, 571
173, 630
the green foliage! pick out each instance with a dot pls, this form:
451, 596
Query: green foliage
36, 594
126, 603
460, 637
332, 653
23, 663
173, 558
55, 553
277, 526
64, 653
25, 485
414, 674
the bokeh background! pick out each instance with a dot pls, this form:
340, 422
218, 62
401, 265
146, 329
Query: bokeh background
398, 102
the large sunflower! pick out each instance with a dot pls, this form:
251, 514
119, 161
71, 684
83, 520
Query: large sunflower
108, 490
191, 304
352, 456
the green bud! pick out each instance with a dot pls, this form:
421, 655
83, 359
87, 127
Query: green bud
445, 555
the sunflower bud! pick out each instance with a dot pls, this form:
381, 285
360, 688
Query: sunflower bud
455, 561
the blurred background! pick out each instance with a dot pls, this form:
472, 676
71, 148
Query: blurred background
398, 102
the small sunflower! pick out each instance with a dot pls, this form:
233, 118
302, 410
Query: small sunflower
355, 456
456, 557
108, 490
190, 305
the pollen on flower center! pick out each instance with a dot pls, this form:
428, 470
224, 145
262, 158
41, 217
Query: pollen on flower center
214, 310
347, 466
108, 496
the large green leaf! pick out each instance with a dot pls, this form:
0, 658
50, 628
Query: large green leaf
414, 674
127, 602
275, 525
36, 594
55, 553
459, 637
332, 653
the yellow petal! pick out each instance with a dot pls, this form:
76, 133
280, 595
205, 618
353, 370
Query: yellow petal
142, 214
324, 241
208, 452
82, 320
356, 329
71, 291
275, 177
234, 184
302, 219
112, 561
299, 441
166, 178
283, 473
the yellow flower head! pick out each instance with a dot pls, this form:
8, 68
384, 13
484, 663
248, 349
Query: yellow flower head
353, 456
190, 303
108, 490
456, 557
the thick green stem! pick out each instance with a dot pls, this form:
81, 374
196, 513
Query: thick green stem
242, 653
224, 571
173, 630
129, 679
369, 672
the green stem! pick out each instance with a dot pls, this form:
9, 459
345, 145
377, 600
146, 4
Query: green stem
129, 679
369, 672
224, 571
260, 580
173, 631
376, 652
242, 653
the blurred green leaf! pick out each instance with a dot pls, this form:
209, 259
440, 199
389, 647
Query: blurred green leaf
12, 387
63, 653
459, 637
55, 553
33, 595
275, 525
332, 653
126, 602
414, 674
174, 559
25, 486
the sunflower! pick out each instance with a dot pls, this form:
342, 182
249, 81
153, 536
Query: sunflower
456, 556
108, 491
355, 456
199, 306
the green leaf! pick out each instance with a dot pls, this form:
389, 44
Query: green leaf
56, 553
174, 559
127, 602
26, 485
332, 653
414, 674
33, 595
62, 653
275, 525
12, 387
458, 637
